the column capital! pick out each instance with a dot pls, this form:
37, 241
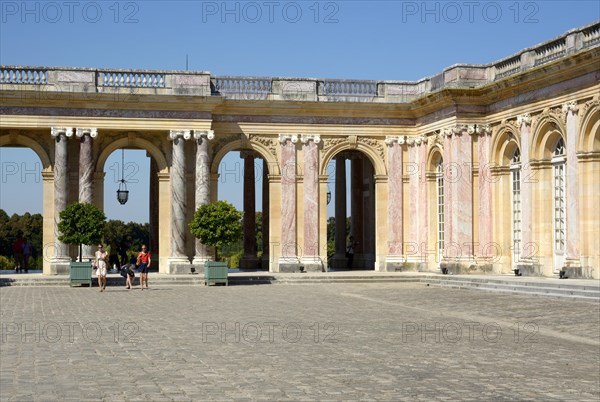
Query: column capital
524, 118
479, 129
175, 134
80, 132
390, 140
306, 138
209, 134
284, 137
415, 140
571, 106
56, 131
456, 129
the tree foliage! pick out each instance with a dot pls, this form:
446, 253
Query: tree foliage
217, 224
81, 223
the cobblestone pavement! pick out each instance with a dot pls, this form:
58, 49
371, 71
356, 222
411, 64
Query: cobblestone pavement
376, 341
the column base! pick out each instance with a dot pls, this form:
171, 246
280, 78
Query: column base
198, 263
528, 268
178, 265
465, 267
60, 266
288, 264
248, 262
403, 264
312, 264
572, 269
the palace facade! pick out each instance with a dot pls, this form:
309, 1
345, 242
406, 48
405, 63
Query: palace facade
478, 169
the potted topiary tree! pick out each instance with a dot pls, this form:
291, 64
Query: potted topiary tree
216, 225
81, 223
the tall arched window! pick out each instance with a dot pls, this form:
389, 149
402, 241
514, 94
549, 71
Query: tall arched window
515, 169
440, 207
559, 199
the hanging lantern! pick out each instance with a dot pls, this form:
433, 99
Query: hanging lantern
122, 193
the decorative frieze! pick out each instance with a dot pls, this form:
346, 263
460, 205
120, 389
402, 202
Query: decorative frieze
332, 142
479, 129
268, 142
373, 144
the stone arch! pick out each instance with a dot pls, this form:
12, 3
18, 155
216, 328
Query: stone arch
153, 150
589, 136
375, 159
28, 142
503, 146
434, 155
237, 145
546, 133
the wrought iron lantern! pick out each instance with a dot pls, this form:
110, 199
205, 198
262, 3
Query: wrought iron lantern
328, 195
122, 193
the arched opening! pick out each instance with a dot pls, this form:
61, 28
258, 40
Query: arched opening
243, 181
133, 222
351, 222
22, 214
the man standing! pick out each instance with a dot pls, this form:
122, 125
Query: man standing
27, 250
17, 248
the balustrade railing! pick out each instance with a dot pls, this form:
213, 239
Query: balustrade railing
242, 87
591, 36
23, 76
130, 79
508, 67
347, 88
549, 52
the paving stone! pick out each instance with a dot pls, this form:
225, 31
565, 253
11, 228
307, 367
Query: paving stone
328, 341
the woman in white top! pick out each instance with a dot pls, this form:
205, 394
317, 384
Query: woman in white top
101, 262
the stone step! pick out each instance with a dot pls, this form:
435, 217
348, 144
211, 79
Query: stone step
523, 288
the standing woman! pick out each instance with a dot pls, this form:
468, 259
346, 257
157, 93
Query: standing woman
101, 258
143, 261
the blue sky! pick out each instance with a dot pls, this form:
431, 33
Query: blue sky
381, 40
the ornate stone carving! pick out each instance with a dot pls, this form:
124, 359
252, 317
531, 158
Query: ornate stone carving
586, 107
524, 118
570, 106
456, 129
199, 135
332, 142
268, 142
374, 144
390, 140
555, 115
479, 129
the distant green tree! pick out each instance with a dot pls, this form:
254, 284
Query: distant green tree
81, 223
217, 224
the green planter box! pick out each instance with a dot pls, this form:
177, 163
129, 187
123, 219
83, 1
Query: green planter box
215, 272
81, 273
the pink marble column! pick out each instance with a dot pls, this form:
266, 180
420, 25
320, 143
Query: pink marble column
395, 203
179, 230
248, 260
573, 256
311, 198
61, 259
462, 215
524, 121
423, 201
448, 193
202, 189
412, 170
485, 194
288, 200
